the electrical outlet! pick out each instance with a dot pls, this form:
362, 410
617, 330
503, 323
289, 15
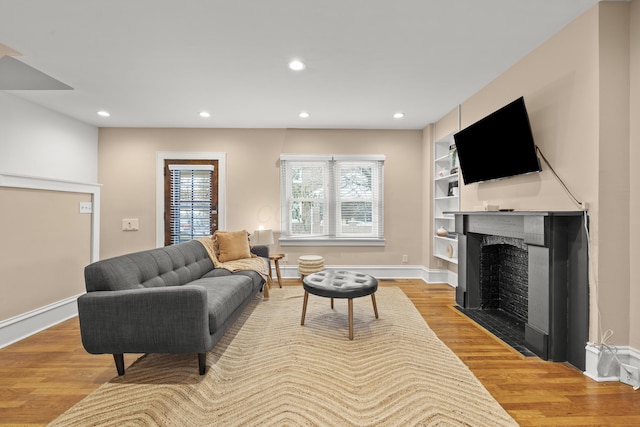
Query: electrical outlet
405, 258
285, 258
629, 375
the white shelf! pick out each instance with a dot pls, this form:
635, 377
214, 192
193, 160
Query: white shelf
446, 258
449, 177
445, 248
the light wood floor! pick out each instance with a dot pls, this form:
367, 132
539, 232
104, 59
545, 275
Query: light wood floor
44, 375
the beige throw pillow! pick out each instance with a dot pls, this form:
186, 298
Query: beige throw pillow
231, 245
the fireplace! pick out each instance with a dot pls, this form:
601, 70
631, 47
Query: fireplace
524, 276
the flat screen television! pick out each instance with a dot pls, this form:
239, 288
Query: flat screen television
498, 146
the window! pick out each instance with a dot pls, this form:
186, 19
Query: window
332, 199
190, 200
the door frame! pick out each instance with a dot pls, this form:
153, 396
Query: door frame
161, 156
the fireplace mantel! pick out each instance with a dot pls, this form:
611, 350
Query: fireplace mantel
558, 319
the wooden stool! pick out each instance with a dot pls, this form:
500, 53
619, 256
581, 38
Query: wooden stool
308, 264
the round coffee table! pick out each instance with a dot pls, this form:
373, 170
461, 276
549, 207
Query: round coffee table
340, 284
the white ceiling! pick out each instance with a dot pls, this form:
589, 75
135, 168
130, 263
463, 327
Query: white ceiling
157, 63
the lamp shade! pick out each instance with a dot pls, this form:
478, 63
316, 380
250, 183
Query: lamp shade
262, 237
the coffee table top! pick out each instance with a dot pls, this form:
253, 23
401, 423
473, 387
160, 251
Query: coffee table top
340, 284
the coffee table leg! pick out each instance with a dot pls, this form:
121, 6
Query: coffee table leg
351, 318
331, 303
375, 307
304, 307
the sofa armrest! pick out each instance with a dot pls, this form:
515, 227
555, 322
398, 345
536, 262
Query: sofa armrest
170, 319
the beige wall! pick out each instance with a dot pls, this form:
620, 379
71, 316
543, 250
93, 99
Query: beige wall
448, 124
634, 177
126, 169
576, 88
428, 259
559, 82
613, 267
45, 247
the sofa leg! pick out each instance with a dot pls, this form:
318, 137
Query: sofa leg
202, 362
119, 359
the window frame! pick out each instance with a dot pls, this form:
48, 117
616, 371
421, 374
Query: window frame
333, 234
161, 156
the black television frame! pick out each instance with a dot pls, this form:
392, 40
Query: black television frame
498, 146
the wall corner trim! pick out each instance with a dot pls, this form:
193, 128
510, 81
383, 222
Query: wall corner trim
43, 183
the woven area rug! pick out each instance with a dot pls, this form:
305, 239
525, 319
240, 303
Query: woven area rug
270, 371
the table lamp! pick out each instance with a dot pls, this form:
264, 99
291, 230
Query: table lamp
262, 236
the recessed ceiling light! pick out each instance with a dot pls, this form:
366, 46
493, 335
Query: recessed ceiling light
304, 115
297, 65
103, 113
398, 115
204, 114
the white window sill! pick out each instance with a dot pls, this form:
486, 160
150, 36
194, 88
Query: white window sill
325, 241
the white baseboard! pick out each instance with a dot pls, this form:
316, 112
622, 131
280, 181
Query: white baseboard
385, 272
602, 363
27, 324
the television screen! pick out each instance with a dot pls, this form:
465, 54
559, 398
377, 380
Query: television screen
498, 146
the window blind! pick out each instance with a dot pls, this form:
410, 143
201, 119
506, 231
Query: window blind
190, 204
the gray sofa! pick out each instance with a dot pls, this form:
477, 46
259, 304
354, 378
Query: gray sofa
165, 300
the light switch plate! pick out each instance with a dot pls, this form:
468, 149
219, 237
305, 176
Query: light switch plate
130, 224
86, 207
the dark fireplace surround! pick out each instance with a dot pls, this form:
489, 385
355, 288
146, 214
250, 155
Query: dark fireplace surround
533, 266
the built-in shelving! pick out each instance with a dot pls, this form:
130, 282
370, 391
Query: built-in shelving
446, 199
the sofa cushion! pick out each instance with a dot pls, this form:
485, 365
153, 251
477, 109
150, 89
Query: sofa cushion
169, 266
255, 277
224, 295
231, 245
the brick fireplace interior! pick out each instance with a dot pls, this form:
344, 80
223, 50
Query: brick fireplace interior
504, 286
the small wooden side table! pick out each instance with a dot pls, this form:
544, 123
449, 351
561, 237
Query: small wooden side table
276, 260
